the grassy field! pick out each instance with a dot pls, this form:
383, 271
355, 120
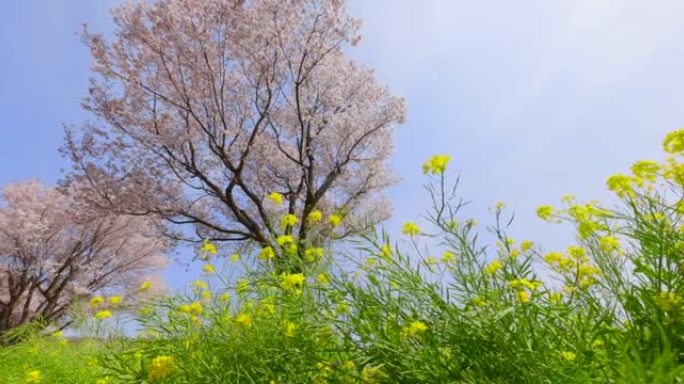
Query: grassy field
439, 306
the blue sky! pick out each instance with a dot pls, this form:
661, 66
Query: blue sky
533, 99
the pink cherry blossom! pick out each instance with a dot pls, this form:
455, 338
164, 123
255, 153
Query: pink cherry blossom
55, 250
204, 108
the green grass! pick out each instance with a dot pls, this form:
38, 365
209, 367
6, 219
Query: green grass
439, 306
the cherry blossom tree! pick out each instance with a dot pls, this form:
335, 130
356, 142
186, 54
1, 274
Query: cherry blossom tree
55, 250
204, 109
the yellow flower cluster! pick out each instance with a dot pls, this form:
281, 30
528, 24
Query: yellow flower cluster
276, 198
96, 301
674, 142
314, 216
372, 375
33, 377
208, 269
559, 260
266, 254
160, 368
520, 284
415, 328
545, 212
585, 273
312, 255
335, 220
284, 239
568, 356
493, 267
208, 248
448, 257
646, 170
436, 164
289, 220
243, 320
526, 245
410, 229
291, 281
289, 328
667, 301
101, 315
194, 308
323, 278
623, 185
145, 285
522, 297
609, 244
199, 284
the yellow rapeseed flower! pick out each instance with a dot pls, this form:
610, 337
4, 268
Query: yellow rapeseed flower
587, 270
266, 254
646, 169
289, 329
545, 212
33, 377
609, 244
96, 301
587, 228
436, 164
289, 220
371, 375
493, 267
244, 320
522, 296
160, 368
674, 142
597, 344
334, 220
200, 284
115, 300
208, 248
196, 308
555, 297
284, 239
323, 278
526, 245
568, 356
385, 251
414, 328
234, 257
291, 281
667, 301
313, 254
577, 252
145, 285
315, 216
621, 185
101, 315
448, 257
276, 198
410, 229
520, 284
209, 269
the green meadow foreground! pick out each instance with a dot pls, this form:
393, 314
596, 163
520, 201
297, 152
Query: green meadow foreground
608, 309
